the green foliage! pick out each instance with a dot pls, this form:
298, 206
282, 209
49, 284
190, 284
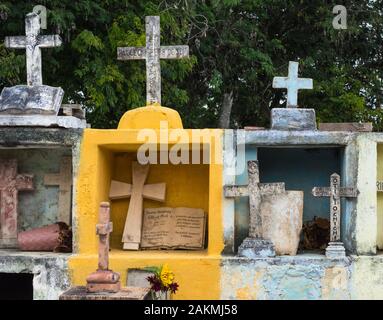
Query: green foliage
236, 46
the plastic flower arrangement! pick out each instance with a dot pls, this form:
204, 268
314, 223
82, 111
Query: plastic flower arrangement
162, 279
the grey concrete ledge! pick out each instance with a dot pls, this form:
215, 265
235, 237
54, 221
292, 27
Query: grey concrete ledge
33, 136
42, 121
298, 138
50, 271
298, 260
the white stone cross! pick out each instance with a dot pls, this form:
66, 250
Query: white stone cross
32, 42
254, 190
335, 192
293, 84
152, 53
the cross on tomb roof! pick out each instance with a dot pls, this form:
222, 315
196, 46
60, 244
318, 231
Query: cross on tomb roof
292, 83
32, 42
152, 53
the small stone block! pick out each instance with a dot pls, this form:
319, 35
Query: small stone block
128, 293
293, 119
31, 100
138, 278
253, 248
335, 250
131, 246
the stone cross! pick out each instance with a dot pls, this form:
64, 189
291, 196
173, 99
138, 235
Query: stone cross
103, 230
10, 184
293, 84
152, 53
64, 181
32, 42
335, 192
137, 191
254, 190
103, 280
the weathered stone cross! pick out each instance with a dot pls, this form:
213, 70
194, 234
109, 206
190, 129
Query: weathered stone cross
137, 191
255, 245
64, 181
33, 42
10, 184
293, 84
103, 280
152, 53
335, 192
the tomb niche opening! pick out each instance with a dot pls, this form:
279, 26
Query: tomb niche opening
48, 198
16, 286
300, 169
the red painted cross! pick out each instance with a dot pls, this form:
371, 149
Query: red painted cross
10, 184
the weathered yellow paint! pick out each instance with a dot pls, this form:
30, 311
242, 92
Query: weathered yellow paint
380, 199
335, 284
107, 154
150, 117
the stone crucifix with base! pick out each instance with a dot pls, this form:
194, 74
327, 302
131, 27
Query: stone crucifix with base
104, 284
152, 53
254, 246
33, 42
103, 280
34, 98
136, 191
335, 192
293, 118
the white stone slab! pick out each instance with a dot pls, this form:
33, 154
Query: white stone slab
41, 121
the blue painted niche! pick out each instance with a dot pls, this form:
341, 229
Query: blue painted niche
39, 207
301, 169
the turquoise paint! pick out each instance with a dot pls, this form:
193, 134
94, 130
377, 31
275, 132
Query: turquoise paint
302, 169
39, 207
293, 282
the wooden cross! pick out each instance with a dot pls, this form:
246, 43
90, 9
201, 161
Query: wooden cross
137, 191
10, 184
254, 190
64, 181
103, 280
335, 192
152, 53
293, 84
32, 42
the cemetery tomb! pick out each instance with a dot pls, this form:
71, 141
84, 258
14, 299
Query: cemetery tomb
16, 286
108, 155
187, 185
50, 200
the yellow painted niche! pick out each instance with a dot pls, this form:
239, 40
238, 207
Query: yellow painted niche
107, 155
150, 117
